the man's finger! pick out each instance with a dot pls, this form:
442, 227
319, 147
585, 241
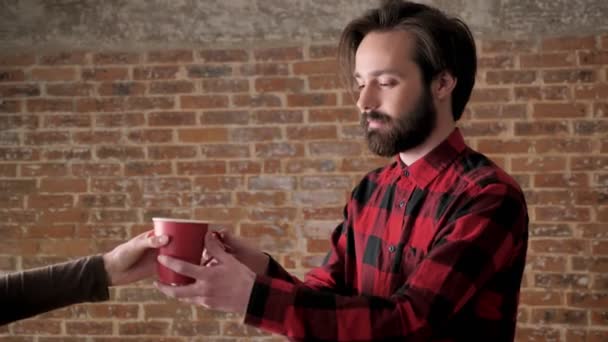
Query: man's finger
186, 291
216, 249
181, 267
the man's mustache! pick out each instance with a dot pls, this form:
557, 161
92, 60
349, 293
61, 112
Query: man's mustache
376, 116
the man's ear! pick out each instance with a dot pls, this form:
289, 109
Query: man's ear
443, 85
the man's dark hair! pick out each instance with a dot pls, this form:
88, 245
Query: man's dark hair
443, 44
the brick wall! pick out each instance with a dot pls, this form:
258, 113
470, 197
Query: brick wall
265, 143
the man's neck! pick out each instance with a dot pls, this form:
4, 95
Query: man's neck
437, 137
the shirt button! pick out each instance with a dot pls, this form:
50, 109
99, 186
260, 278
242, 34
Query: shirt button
406, 173
392, 249
401, 204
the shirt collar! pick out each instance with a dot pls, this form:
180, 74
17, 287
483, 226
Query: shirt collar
425, 169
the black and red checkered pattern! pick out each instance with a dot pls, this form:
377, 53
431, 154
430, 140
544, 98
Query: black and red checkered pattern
430, 252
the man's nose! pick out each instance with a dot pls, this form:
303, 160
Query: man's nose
368, 99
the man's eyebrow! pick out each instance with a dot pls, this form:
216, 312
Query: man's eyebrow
377, 73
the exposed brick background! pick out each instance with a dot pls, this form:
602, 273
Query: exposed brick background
265, 142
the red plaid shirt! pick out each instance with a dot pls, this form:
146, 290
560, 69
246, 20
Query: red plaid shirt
430, 252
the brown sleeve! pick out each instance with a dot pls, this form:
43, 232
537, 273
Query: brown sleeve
31, 292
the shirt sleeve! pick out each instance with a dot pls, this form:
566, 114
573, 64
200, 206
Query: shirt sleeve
35, 291
484, 236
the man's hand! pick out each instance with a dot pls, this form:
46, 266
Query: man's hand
254, 259
225, 286
133, 260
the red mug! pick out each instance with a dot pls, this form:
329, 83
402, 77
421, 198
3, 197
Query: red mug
186, 242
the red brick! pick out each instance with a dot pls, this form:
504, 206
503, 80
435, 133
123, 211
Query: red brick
51, 74
597, 57
599, 248
73, 185
225, 151
264, 69
225, 117
223, 56
556, 214
312, 132
46, 138
311, 99
143, 328
119, 120
217, 199
559, 180
151, 135
105, 74
328, 148
316, 67
119, 152
171, 119
65, 215
48, 105
68, 153
17, 59
67, 121
198, 328
220, 214
37, 327
277, 116
171, 87
590, 264
475, 129
541, 297
598, 91
102, 201
170, 56
251, 134
199, 135
310, 165
587, 300
96, 137
568, 43
10, 106
278, 54
275, 230
559, 110
283, 84
120, 185
97, 169
323, 51
171, 152
147, 168
121, 89
279, 150
221, 85
552, 246
496, 62
173, 310
244, 166
19, 90
209, 71
263, 100
508, 46
70, 89
109, 311
45, 170
146, 103
64, 58
538, 164
361, 164
510, 77
527, 93
116, 58
204, 101
261, 199
547, 60
490, 95
547, 263
18, 153
8, 170
589, 163
89, 328
503, 146
569, 76
590, 127
201, 168
333, 115
155, 73
217, 183
541, 128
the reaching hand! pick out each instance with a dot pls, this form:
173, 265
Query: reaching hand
254, 259
133, 260
225, 286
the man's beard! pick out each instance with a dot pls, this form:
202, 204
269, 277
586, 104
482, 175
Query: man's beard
405, 132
